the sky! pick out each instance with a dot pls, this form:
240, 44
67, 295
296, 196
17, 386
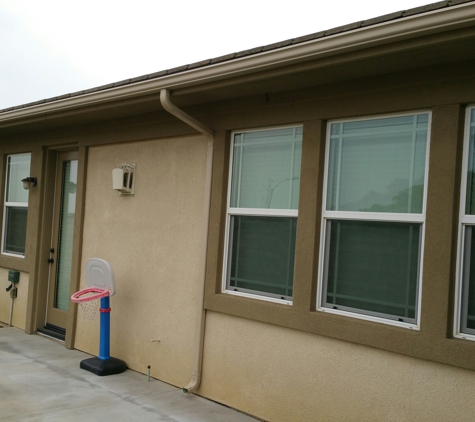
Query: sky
54, 47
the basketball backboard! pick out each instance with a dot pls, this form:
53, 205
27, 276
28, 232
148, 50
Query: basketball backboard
99, 274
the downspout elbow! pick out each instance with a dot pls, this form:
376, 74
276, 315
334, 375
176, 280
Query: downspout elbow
194, 383
180, 114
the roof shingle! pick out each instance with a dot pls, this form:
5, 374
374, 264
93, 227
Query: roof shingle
228, 57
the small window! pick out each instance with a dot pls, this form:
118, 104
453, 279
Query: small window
16, 205
465, 309
262, 213
373, 217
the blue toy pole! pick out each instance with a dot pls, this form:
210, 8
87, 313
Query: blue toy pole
104, 364
104, 336
100, 282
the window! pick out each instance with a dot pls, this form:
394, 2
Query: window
465, 309
16, 205
373, 218
262, 213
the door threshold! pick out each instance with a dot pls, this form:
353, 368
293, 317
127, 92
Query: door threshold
49, 337
52, 331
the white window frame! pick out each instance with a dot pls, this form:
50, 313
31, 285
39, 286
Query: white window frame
371, 216
464, 220
260, 212
7, 204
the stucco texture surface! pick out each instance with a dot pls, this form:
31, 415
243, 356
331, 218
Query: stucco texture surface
280, 374
152, 241
19, 303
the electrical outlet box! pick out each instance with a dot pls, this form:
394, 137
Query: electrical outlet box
14, 292
13, 276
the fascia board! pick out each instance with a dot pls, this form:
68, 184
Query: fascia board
434, 22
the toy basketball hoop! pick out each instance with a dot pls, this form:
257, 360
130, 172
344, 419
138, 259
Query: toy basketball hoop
101, 285
88, 299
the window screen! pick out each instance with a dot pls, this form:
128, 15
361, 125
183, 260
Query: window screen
262, 212
374, 215
15, 205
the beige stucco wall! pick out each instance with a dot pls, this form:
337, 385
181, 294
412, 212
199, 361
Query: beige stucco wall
152, 242
280, 374
19, 303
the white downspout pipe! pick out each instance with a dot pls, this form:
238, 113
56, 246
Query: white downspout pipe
11, 313
201, 314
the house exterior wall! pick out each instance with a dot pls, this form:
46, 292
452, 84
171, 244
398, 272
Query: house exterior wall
19, 303
152, 242
281, 374
276, 362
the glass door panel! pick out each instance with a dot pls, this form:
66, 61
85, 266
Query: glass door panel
62, 239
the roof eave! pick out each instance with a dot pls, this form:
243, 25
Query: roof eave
437, 21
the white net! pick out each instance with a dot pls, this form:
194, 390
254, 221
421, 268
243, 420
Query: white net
89, 309
89, 301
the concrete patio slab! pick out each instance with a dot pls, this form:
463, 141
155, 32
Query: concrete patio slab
40, 380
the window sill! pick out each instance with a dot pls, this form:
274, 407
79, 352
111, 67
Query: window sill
464, 336
258, 297
379, 320
14, 262
13, 255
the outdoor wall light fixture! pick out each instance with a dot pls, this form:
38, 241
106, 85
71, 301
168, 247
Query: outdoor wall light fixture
29, 182
123, 179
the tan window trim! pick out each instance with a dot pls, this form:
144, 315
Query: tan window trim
432, 342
